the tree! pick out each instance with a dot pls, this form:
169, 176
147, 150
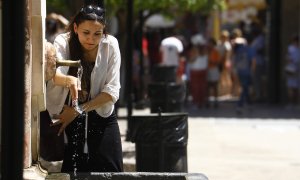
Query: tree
170, 8
170, 5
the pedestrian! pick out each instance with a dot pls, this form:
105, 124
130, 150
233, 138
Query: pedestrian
292, 71
236, 38
244, 64
91, 131
259, 76
225, 50
213, 72
171, 49
197, 70
55, 24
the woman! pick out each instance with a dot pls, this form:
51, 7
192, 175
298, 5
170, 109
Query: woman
213, 72
293, 62
244, 64
197, 67
91, 131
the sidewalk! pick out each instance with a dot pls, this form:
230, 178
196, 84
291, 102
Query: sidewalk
261, 144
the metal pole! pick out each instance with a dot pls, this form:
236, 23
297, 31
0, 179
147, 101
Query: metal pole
129, 57
274, 89
141, 73
13, 89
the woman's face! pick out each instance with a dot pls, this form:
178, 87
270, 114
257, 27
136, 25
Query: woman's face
89, 34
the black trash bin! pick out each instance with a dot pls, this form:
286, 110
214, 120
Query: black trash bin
160, 142
166, 97
164, 73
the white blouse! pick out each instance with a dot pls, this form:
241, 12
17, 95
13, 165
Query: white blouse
200, 63
105, 76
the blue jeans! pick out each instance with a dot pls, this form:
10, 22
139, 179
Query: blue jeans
245, 80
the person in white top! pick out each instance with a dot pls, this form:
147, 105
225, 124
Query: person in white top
197, 70
292, 78
170, 49
225, 49
227, 76
92, 133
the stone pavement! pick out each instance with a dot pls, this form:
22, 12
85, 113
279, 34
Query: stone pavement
263, 143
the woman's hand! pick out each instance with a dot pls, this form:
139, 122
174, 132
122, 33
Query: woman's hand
67, 81
65, 118
72, 84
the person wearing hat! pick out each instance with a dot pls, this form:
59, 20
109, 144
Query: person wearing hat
197, 68
244, 64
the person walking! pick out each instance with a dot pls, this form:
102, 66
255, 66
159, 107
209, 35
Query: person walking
259, 76
213, 73
197, 70
91, 131
55, 24
225, 50
244, 64
292, 71
170, 49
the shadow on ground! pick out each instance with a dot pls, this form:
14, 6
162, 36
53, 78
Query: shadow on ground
227, 109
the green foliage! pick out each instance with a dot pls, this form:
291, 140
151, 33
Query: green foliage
113, 5
59, 6
170, 5
169, 8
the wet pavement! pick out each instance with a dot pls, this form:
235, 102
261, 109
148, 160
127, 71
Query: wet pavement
262, 143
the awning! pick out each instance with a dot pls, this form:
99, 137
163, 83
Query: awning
159, 21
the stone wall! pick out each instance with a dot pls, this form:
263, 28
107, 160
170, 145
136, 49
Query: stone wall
129, 176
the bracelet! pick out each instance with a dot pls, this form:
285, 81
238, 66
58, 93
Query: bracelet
85, 108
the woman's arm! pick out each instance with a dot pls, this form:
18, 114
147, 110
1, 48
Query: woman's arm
67, 81
97, 102
69, 113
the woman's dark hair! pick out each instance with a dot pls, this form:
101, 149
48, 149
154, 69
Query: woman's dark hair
87, 13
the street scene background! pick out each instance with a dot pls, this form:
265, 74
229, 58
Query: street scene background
243, 116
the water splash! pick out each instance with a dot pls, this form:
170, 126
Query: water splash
75, 104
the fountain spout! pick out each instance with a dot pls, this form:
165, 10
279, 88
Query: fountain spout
70, 63
52, 63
